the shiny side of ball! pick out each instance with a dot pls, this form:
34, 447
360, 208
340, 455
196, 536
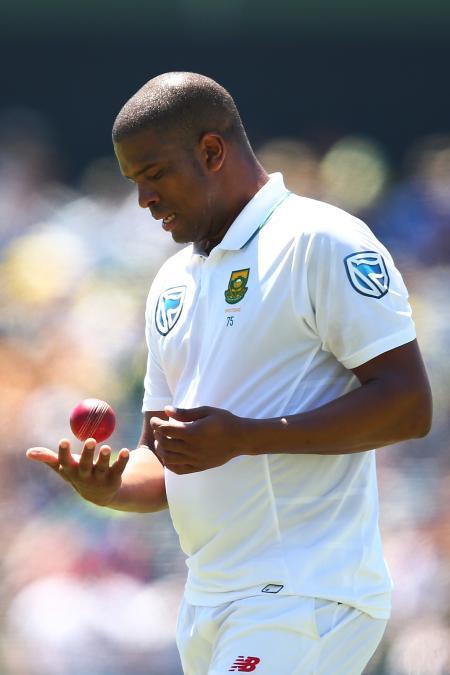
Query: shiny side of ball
92, 418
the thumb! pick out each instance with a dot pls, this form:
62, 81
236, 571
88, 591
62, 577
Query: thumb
43, 455
188, 414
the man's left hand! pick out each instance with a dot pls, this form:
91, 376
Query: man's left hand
196, 439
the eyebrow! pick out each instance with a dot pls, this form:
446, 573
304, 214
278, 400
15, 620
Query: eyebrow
143, 170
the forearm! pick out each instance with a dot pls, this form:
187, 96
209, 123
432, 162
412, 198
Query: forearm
371, 416
143, 487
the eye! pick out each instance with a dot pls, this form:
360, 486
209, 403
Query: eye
156, 176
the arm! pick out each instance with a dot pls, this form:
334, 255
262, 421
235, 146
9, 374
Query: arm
143, 486
392, 404
134, 482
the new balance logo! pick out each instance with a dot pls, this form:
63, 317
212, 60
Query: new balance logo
245, 664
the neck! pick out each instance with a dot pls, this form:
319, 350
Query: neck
241, 186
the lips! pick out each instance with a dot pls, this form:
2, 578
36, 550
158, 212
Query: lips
169, 222
167, 219
159, 214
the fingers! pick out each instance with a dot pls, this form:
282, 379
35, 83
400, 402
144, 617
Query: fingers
101, 468
122, 460
174, 454
86, 462
102, 464
48, 457
170, 429
65, 458
165, 445
188, 414
81, 469
43, 455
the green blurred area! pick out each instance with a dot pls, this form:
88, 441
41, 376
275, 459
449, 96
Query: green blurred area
401, 18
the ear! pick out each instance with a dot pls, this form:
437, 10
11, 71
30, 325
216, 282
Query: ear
213, 151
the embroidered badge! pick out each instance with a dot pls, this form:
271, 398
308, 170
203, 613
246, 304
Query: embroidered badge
237, 286
367, 273
169, 308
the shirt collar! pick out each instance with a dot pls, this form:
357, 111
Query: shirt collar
254, 214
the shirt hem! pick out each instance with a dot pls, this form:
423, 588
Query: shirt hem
215, 599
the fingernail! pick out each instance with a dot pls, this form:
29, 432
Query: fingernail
64, 445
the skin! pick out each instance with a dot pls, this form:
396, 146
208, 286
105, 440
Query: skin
392, 404
206, 184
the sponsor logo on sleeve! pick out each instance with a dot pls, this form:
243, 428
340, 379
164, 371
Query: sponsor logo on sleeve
367, 273
169, 308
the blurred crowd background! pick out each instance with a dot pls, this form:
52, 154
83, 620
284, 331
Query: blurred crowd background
86, 591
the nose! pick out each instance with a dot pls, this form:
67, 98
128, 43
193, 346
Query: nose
147, 197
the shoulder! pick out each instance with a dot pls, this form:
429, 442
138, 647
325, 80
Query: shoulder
318, 228
173, 266
312, 218
176, 262
170, 272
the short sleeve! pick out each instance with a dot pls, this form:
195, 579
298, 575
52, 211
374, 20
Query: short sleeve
156, 390
358, 298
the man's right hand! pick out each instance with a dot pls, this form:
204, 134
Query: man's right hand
96, 481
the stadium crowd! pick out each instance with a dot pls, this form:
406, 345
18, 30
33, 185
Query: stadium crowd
87, 591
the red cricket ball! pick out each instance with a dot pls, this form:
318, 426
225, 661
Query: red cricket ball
93, 418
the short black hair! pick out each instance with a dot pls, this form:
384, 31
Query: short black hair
186, 103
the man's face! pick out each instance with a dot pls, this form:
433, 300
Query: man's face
174, 182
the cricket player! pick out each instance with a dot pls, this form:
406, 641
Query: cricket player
281, 353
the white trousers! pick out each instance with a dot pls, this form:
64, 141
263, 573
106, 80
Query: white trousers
276, 635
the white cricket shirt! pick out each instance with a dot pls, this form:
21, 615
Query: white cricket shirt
297, 293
